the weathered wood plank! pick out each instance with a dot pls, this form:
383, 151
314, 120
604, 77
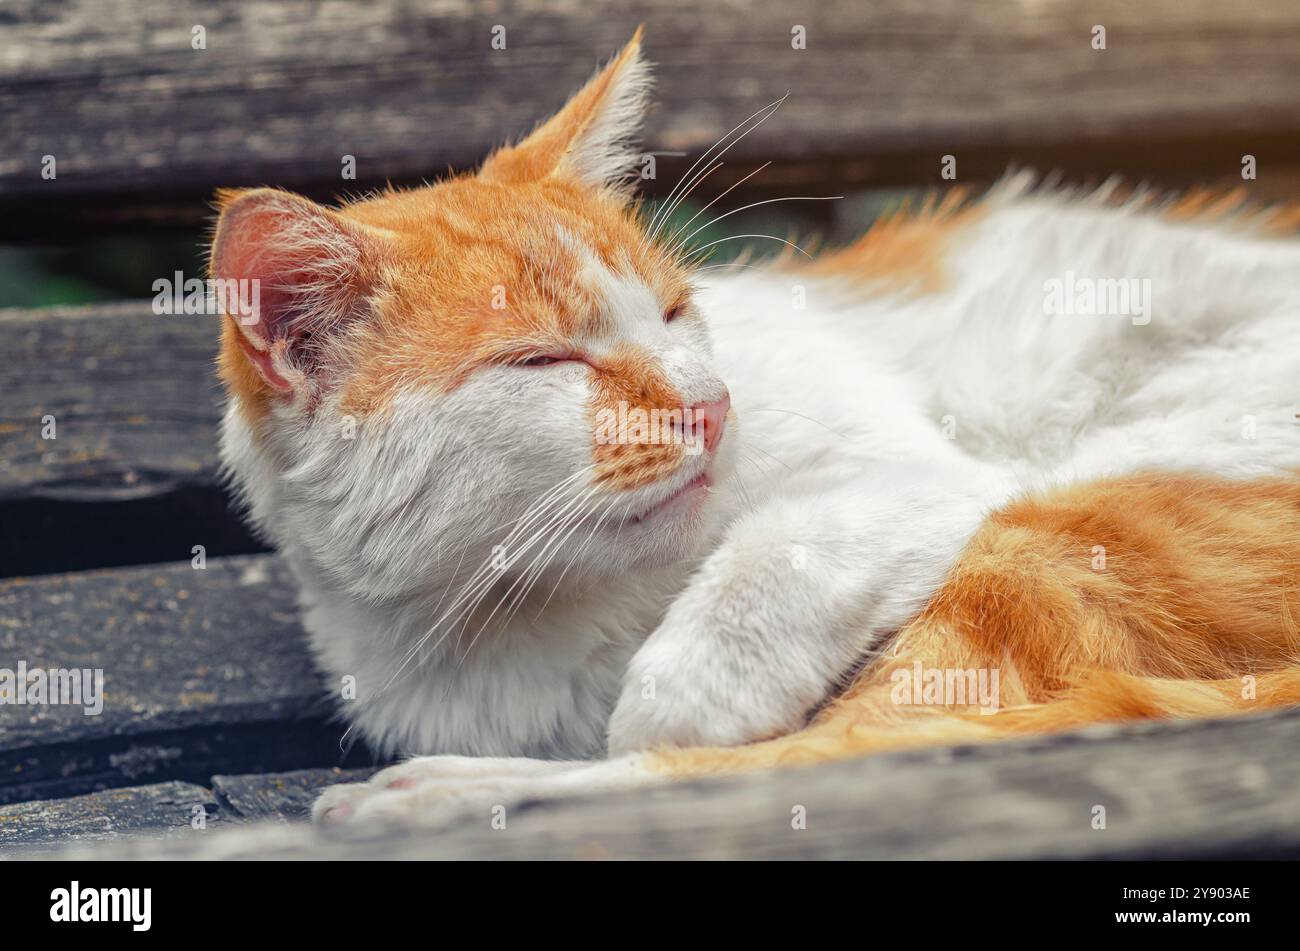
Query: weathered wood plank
204, 671
168, 808
133, 398
283, 796
160, 810
132, 403
1226, 789
113, 90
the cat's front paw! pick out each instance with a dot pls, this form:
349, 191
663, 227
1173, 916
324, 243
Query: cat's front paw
436, 790
676, 699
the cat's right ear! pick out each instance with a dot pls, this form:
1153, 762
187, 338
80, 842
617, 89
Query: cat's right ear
292, 275
590, 140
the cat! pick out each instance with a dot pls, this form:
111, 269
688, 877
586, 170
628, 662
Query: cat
570, 510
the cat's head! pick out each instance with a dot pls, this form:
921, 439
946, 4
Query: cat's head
477, 366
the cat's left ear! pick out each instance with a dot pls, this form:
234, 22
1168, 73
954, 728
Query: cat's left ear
591, 138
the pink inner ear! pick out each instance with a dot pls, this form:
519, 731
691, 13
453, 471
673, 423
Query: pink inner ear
282, 242
254, 245
265, 365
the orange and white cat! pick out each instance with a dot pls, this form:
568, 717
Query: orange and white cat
553, 492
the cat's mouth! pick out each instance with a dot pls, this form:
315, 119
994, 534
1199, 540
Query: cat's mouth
680, 498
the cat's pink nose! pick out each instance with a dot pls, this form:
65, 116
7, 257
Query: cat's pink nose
708, 420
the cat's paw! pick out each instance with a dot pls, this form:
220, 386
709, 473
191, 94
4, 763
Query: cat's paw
436, 790
763, 632
676, 699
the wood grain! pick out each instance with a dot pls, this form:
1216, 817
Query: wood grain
156, 811
133, 397
113, 90
131, 473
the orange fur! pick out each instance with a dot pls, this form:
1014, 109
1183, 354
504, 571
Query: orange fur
903, 249
1199, 588
1233, 205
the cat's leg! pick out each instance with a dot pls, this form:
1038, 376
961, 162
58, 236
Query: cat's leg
800, 590
441, 789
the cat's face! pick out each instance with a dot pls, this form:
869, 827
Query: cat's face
503, 359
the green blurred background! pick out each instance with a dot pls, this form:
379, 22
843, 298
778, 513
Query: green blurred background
124, 267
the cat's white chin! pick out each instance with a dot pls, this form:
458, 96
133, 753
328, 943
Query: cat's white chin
679, 501
675, 525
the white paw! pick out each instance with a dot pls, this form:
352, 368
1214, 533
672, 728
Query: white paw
675, 694
753, 645
439, 789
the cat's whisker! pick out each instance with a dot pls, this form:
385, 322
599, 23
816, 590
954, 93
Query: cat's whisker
747, 455
549, 532
677, 248
541, 561
536, 571
463, 617
736, 237
559, 486
673, 236
581, 548
671, 206
742, 490
528, 579
482, 580
762, 116
769, 455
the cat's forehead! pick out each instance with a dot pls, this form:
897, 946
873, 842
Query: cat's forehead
468, 219
469, 242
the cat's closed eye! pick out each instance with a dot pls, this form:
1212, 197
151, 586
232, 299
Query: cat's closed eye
675, 311
541, 361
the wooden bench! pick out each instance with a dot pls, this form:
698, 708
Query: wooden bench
213, 708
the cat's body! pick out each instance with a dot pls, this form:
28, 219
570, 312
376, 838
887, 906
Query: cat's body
883, 402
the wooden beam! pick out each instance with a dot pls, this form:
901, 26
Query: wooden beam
108, 421
134, 116
106, 403
204, 671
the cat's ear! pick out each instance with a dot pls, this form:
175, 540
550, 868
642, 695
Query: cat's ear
291, 274
591, 139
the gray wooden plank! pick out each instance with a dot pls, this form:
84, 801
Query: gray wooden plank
131, 402
133, 397
113, 90
204, 671
1225, 789
283, 796
156, 811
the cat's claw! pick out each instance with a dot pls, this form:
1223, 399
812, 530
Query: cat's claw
439, 790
